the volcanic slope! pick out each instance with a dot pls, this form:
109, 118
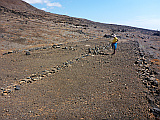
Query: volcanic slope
48, 72
90, 87
23, 26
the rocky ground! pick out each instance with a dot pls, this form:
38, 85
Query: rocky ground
78, 81
59, 67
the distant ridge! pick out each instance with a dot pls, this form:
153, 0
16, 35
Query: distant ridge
18, 5
22, 8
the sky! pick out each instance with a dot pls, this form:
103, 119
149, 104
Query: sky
136, 13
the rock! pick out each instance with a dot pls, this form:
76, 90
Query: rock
54, 70
44, 48
45, 72
71, 48
37, 48
95, 52
22, 81
9, 90
65, 63
65, 48
54, 46
156, 73
156, 110
140, 65
43, 75
146, 66
70, 62
126, 87
148, 86
5, 53
33, 75
4, 93
141, 54
147, 78
153, 47
152, 76
28, 77
107, 36
9, 52
58, 68
150, 100
127, 35
136, 62
145, 82
35, 79
28, 53
77, 59
29, 81
152, 79
89, 50
17, 87
58, 46
155, 83
49, 73
158, 91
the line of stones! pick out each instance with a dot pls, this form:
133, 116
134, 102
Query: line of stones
39, 76
39, 48
147, 75
97, 50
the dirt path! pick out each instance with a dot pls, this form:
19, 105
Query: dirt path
93, 87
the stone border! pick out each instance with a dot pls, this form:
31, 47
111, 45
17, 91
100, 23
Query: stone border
148, 78
40, 75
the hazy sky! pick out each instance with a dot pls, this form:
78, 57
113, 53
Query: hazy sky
137, 13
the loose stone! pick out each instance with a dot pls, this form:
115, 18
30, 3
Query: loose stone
28, 53
4, 93
9, 52
65, 48
33, 75
152, 79
9, 90
58, 46
29, 81
156, 110
17, 87
54, 69
22, 81
58, 68
28, 77
35, 79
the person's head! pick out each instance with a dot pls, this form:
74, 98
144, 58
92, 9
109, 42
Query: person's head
114, 35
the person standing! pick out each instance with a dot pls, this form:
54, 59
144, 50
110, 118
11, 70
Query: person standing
114, 44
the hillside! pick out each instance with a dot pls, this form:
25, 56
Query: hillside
22, 24
60, 67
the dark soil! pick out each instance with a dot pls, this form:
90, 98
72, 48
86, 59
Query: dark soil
93, 87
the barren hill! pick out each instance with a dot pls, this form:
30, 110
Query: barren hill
60, 67
23, 25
